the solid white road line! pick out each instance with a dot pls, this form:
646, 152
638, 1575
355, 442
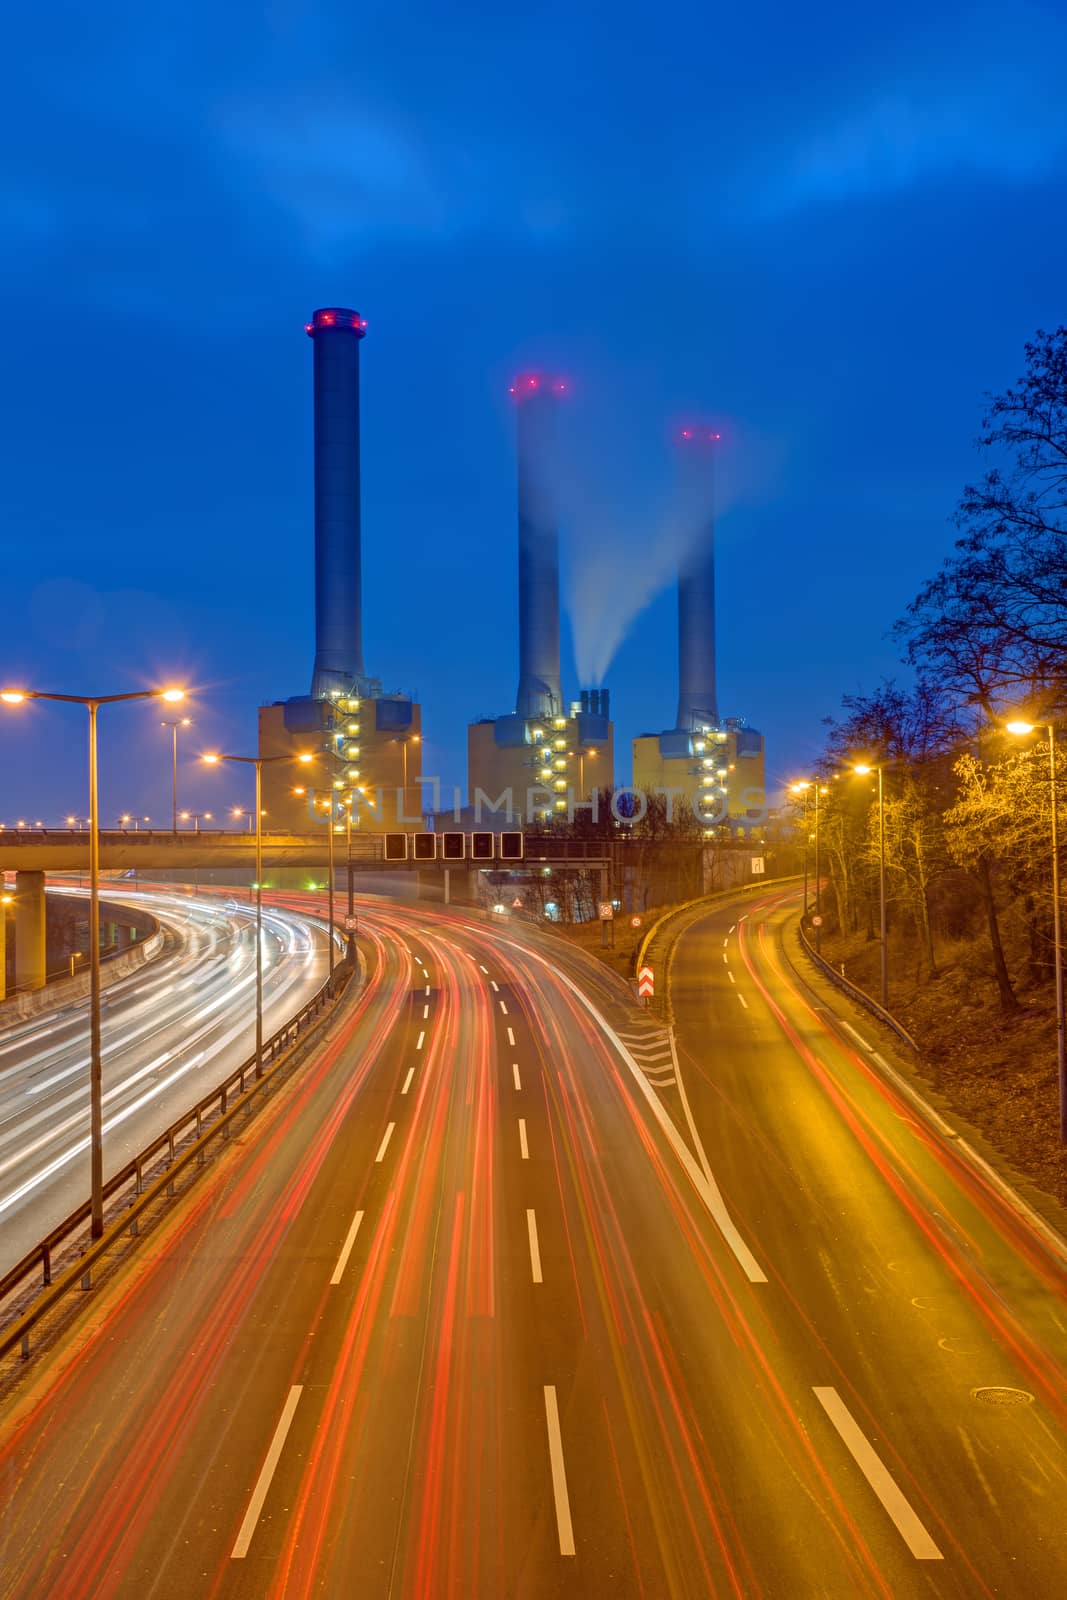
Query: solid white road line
407, 1080
511, 1037
535, 1249
259, 1493
422, 1035
743, 1001
523, 1146
515, 1074
559, 1473
346, 1248
503, 1008
706, 1188
858, 1038
383, 1147
877, 1474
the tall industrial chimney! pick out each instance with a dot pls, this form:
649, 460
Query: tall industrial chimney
336, 334
540, 693
697, 704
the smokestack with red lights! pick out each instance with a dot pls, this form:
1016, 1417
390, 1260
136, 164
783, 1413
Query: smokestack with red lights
540, 694
336, 334
697, 703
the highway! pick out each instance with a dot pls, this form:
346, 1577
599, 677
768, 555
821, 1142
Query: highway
170, 1032
486, 1307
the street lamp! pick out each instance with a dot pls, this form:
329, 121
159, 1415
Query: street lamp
807, 787
329, 804
174, 725
1021, 729
258, 762
92, 704
195, 818
862, 770
582, 756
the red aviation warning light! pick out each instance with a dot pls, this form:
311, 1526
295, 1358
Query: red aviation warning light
531, 383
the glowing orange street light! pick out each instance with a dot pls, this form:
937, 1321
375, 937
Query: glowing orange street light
92, 704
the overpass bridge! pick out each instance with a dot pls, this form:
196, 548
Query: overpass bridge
34, 853
66, 850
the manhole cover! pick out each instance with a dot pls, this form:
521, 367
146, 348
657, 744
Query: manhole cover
997, 1395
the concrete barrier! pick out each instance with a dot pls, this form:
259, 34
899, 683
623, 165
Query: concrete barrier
66, 991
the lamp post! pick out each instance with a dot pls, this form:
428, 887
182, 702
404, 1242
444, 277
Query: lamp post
92, 704
350, 946
1020, 729
403, 740
806, 787
863, 771
258, 762
174, 725
582, 756
329, 804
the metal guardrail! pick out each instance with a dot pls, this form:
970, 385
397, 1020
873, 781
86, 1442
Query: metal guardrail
641, 953
40, 1257
855, 992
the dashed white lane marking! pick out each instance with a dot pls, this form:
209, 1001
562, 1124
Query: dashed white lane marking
422, 1035
535, 1248
425, 1012
725, 957
733, 925
427, 988
407, 1080
346, 1248
858, 1038
483, 969
515, 1074
731, 977
259, 1493
511, 1037
524, 1148
494, 985
383, 1147
559, 1474
726, 941
503, 1008
877, 1474
743, 1001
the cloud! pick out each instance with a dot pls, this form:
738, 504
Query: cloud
987, 107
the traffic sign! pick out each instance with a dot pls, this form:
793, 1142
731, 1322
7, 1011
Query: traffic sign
816, 922
646, 983
635, 922
607, 910
757, 866
516, 904
351, 924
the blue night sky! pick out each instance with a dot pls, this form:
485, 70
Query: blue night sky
829, 227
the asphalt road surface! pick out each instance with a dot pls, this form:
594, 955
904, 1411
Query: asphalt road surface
170, 1032
486, 1307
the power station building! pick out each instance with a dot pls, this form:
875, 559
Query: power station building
714, 765
366, 742
550, 754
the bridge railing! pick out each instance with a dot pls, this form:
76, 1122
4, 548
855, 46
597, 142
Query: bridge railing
229, 1099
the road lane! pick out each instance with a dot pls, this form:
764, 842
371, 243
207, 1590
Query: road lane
170, 1033
687, 1449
